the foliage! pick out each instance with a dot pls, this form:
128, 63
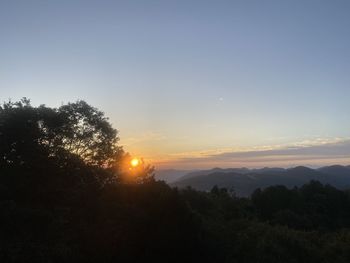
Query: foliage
72, 129
60, 202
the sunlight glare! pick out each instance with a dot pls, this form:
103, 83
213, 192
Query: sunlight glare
135, 162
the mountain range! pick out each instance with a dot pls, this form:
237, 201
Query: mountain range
244, 181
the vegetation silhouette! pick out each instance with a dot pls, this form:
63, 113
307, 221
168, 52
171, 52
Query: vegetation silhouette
66, 196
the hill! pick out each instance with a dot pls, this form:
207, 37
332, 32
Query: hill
244, 181
170, 175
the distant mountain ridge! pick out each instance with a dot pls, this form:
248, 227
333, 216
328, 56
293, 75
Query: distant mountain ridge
170, 175
244, 181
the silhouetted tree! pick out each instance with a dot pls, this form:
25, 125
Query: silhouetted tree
75, 128
60, 202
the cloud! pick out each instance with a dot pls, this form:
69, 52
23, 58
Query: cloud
325, 150
309, 152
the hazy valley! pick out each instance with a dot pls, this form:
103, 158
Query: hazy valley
244, 181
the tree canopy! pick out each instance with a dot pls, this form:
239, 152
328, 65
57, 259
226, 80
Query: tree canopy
75, 128
60, 202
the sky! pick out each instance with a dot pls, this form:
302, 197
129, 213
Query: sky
192, 84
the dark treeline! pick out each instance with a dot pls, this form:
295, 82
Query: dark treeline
66, 197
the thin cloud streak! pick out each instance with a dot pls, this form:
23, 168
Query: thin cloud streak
313, 152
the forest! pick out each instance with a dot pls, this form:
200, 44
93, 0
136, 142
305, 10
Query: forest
66, 195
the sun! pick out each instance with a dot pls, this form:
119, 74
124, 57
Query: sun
135, 162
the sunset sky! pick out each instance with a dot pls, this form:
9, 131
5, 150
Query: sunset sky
192, 84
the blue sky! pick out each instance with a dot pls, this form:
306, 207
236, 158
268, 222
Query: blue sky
182, 79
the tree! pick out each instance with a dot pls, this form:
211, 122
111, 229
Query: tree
88, 134
75, 129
